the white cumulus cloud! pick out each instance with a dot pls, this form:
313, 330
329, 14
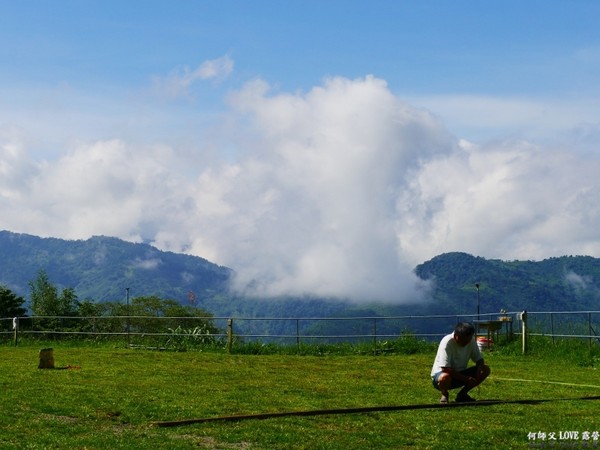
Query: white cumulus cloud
312, 206
338, 191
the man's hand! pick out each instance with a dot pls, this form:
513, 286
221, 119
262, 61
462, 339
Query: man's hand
480, 369
471, 382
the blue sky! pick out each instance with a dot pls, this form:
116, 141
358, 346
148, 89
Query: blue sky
435, 46
534, 51
317, 146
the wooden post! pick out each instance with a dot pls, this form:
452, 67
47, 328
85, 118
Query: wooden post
590, 328
374, 335
298, 335
229, 335
46, 359
524, 330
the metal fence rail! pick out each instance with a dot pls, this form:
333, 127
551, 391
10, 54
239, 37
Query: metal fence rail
299, 330
565, 324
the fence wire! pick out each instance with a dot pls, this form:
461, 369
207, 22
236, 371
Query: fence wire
140, 330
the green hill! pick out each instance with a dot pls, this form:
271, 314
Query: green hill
101, 268
555, 284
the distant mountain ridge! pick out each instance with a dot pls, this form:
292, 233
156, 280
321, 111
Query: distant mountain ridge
101, 268
555, 284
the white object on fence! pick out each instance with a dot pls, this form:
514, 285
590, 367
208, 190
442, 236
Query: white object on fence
484, 343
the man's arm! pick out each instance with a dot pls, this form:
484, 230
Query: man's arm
456, 375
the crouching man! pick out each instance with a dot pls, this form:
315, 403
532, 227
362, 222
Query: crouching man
450, 370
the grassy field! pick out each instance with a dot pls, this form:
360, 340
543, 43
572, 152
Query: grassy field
115, 396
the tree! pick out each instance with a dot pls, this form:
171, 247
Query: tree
163, 315
45, 301
44, 297
11, 305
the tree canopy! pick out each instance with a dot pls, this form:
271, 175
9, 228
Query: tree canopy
11, 305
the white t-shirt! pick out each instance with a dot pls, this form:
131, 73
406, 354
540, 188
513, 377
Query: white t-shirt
450, 354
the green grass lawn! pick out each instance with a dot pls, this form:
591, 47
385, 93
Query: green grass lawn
116, 396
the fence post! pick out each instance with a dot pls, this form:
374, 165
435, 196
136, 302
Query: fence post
590, 328
16, 328
298, 334
229, 335
375, 335
523, 317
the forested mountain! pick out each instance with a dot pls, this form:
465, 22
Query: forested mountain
554, 284
101, 268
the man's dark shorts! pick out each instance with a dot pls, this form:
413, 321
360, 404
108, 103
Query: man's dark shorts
470, 372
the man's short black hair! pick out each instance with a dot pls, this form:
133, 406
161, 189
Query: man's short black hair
464, 329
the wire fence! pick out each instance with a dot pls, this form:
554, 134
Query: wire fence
565, 324
160, 331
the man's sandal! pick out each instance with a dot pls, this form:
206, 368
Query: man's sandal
464, 398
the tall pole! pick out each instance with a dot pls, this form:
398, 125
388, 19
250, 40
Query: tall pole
477, 286
128, 318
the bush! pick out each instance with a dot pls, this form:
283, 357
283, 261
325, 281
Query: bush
577, 352
182, 339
